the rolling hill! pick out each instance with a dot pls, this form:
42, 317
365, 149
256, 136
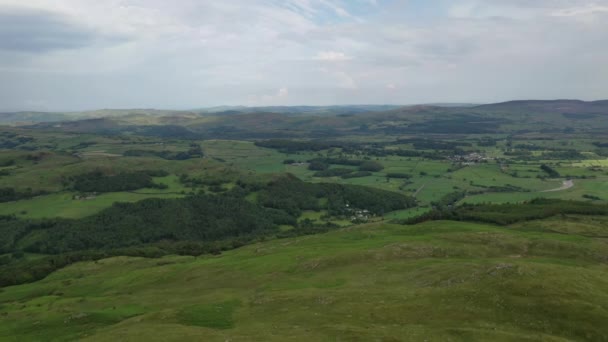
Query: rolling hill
550, 106
434, 281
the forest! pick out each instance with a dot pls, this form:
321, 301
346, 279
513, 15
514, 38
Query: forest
194, 151
505, 214
293, 195
97, 181
10, 194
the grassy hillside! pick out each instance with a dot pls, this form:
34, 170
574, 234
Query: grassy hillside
434, 281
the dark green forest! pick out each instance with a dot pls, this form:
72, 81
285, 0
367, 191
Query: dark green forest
97, 181
10, 194
505, 214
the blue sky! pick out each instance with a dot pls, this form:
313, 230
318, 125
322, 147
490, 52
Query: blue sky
61, 55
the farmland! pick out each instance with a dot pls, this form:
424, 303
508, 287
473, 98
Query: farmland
428, 179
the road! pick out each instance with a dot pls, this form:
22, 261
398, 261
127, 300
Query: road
567, 184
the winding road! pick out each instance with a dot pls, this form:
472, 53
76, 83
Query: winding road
567, 184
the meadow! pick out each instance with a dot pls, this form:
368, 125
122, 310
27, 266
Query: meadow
63, 204
434, 281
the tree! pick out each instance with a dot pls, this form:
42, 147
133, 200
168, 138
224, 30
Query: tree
372, 166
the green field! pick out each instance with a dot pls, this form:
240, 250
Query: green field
66, 154
434, 281
63, 204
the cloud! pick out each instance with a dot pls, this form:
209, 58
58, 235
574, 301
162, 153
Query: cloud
38, 31
332, 56
581, 10
192, 53
282, 92
345, 80
277, 98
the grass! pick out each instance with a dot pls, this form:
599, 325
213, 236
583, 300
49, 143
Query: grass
316, 216
405, 214
435, 281
217, 316
63, 205
312, 215
245, 155
597, 187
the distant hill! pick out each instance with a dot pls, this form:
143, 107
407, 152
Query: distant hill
96, 125
31, 117
299, 110
157, 116
553, 106
329, 121
452, 104
13, 118
26, 118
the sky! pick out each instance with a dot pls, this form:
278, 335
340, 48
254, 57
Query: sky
69, 55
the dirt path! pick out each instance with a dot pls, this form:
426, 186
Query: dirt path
567, 184
420, 189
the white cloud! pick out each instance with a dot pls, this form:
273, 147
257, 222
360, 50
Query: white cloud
282, 92
332, 56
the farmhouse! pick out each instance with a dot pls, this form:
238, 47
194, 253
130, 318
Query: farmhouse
358, 215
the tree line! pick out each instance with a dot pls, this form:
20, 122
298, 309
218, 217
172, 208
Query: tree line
98, 181
195, 151
505, 214
322, 166
9, 194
